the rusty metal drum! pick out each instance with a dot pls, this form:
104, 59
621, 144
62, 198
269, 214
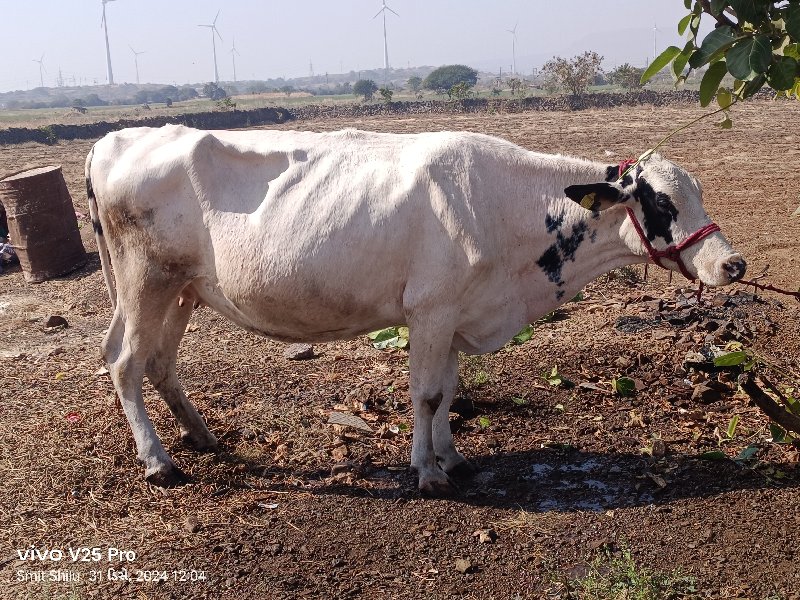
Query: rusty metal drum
42, 224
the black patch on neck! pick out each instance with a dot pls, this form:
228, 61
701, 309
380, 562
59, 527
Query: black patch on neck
612, 174
558, 253
552, 223
659, 211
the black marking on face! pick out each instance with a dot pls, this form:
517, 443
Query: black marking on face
558, 253
659, 211
593, 236
559, 294
552, 223
612, 174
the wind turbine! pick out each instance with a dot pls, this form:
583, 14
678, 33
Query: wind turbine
213, 28
655, 32
104, 25
136, 60
41, 69
234, 52
513, 33
383, 10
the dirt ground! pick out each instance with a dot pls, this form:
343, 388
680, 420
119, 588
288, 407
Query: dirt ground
294, 507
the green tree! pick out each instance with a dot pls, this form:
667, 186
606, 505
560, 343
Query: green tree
626, 76
517, 86
460, 91
366, 88
414, 83
442, 79
386, 94
288, 90
574, 75
213, 91
755, 41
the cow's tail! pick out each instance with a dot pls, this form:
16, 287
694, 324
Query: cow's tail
102, 247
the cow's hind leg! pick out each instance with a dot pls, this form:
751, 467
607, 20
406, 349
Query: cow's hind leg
449, 459
161, 372
134, 332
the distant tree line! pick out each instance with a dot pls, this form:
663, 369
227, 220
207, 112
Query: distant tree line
165, 95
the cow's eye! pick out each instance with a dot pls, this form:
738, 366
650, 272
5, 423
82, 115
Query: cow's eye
663, 201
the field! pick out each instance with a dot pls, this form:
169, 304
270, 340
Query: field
577, 486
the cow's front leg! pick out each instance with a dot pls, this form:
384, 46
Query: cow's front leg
430, 380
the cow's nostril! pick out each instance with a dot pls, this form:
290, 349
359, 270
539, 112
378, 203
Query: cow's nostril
735, 268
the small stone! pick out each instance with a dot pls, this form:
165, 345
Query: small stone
192, 524
622, 362
485, 536
56, 321
463, 565
341, 467
299, 352
339, 453
659, 448
705, 394
719, 300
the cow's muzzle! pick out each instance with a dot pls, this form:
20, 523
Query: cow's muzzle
735, 267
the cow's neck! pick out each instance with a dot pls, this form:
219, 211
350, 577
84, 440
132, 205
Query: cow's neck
580, 245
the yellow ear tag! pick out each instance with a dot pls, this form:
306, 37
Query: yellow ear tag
588, 201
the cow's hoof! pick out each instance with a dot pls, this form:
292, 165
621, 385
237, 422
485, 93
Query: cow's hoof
166, 476
438, 488
462, 470
204, 442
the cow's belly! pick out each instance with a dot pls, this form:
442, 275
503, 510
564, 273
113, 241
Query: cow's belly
313, 298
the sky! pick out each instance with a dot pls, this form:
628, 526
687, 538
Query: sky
293, 38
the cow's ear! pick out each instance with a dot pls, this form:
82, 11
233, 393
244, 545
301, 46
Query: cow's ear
595, 196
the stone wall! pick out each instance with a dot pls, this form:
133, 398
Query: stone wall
264, 116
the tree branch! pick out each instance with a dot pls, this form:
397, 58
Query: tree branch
782, 417
721, 18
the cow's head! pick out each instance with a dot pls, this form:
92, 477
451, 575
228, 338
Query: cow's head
667, 204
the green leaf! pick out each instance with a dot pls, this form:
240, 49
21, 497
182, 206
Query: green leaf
751, 87
684, 23
524, 335
781, 73
711, 80
778, 433
793, 22
717, 6
732, 427
792, 50
747, 454
519, 401
661, 61
679, 64
762, 54
719, 39
747, 10
484, 422
624, 386
726, 123
687, 4
713, 455
738, 59
724, 98
731, 359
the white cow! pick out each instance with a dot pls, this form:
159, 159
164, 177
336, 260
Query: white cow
303, 236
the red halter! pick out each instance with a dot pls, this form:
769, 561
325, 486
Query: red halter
673, 251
